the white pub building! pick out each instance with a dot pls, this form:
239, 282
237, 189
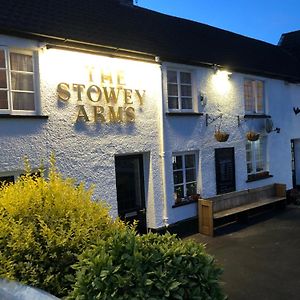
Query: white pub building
155, 111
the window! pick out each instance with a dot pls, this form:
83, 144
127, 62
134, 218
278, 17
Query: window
17, 90
256, 156
185, 176
179, 90
254, 96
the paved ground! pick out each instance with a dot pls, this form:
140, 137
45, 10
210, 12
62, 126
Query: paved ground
261, 261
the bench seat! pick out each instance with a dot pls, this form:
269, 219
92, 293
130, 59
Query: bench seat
245, 207
213, 210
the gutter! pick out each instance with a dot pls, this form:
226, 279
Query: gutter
111, 51
74, 45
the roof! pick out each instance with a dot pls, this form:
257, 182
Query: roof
291, 42
107, 23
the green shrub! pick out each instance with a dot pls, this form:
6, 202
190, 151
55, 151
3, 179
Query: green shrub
147, 267
44, 225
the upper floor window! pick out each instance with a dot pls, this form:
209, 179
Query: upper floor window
180, 95
254, 96
184, 176
17, 82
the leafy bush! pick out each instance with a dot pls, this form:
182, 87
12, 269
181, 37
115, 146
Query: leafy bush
147, 267
44, 225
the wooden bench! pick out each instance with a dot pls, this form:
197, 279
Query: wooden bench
237, 204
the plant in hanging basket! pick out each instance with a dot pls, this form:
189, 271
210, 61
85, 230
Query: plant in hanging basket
252, 136
221, 136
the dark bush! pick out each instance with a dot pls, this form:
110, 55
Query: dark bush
151, 266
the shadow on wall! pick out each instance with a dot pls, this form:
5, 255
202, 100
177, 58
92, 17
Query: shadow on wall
22, 126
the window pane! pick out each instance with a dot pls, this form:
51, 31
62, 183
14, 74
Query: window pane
177, 162
186, 103
173, 103
23, 101
3, 81
190, 175
191, 189
172, 89
185, 77
190, 161
259, 166
249, 156
178, 177
2, 59
260, 95
249, 168
178, 190
172, 77
23, 82
186, 90
248, 96
3, 100
21, 62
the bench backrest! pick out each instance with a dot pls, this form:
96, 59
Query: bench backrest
235, 199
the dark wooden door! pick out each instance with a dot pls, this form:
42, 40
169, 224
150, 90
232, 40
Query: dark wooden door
130, 190
225, 170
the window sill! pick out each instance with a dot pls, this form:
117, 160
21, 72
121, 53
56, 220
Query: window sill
184, 202
23, 117
258, 176
195, 114
256, 116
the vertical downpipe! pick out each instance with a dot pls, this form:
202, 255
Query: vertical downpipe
163, 154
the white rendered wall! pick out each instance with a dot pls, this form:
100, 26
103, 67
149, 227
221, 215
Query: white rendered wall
86, 150
189, 133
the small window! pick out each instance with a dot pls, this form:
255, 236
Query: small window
180, 95
17, 82
254, 96
256, 156
184, 176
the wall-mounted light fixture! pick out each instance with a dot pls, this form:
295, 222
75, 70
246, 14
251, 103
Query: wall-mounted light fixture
220, 80
202, 98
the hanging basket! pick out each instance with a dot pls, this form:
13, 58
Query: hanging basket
221, 136
252, 136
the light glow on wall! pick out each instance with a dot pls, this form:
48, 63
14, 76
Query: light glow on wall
221, 81
100, 89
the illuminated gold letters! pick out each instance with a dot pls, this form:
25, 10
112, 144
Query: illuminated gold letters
120, 78
115, 117
82, 114
94, 90
63, 91
130, 114
106, 78
78, 87
110, 100
98, 114
141, 97
111, 96
127, 96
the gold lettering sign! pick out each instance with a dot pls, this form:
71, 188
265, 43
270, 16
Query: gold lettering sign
111, 101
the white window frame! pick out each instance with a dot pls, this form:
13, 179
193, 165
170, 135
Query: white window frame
185, 182
10, 109
178, 71
255, 96
254, 160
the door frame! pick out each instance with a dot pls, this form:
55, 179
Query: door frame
218, 192
140, 157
